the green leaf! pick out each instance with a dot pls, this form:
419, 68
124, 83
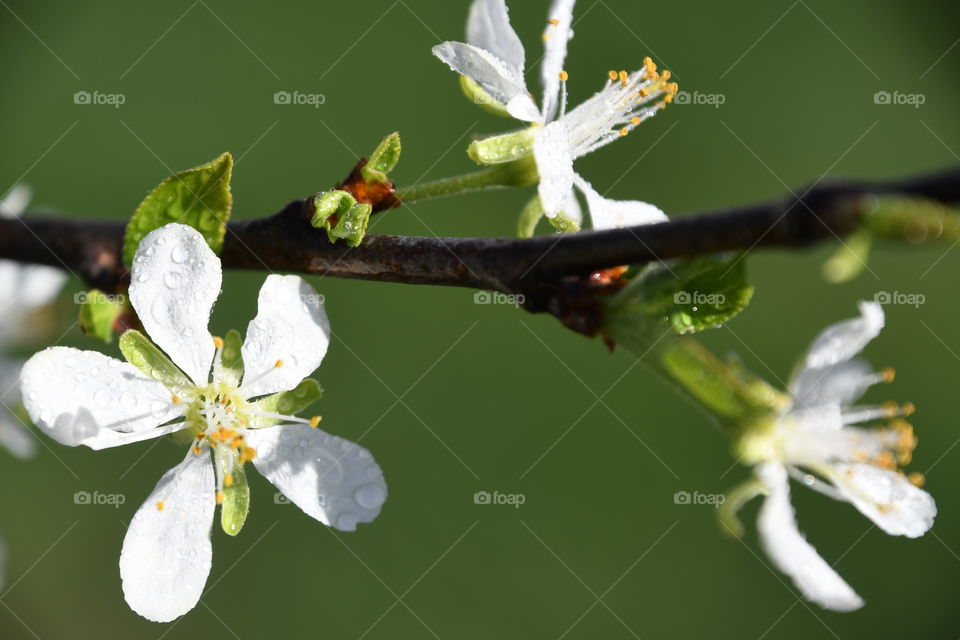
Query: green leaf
144, 355
231, 360
338, 212
529, 218
383, 160
478, 96
198, 197
98, 313
236, 497
288, 403
352, 227
690, 295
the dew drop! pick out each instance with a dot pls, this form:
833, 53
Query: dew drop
370, 496
347, 522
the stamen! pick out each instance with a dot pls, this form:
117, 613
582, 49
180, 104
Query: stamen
554, 22
220, 497
175, 399
160, 506
228, 480
613, 75
315, 421
564, 76
278, 364
888, 374
218, 342
917, 479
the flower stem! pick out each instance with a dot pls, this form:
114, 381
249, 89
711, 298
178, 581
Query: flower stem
519, 173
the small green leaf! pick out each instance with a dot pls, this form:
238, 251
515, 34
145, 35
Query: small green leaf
231, 360
563, 224
352, 227
288, 403
338, 212
478, 96
529, 217
691, 295
144, 355
98, 312
383, 160
501, 149
236, 496
198, 197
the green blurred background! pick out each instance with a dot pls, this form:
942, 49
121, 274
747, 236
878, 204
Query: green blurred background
455, 398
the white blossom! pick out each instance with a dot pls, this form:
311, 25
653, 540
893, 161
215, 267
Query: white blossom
494, 59
229, 417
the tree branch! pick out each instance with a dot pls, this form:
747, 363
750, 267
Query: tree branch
538, 268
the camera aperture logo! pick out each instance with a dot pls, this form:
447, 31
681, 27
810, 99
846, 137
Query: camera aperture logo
299, 98
712, 499
99, 499
495, 297
915, 100
115, 100
688, 298
900, 298
512, 499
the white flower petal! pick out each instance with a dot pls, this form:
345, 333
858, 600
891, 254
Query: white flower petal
493, 74
331, 479
166, 553
845, 339
555, 54
86, 398
551, 149
14, 436
174, 282
15, 202
39, 285
840, 384
886, 497
291, 329
573, 210
488, 28
610, 214
791, 552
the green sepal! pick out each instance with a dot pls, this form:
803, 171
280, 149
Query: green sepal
563, 224
733, 502
691, 295
231, 359
198, 197
850, 258
288, 403
144, 355
529, 217
236, 497
504, 148
98, 313
384, 159
478, 96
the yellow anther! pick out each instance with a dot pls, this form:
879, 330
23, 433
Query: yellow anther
613, 75
886, 461
564, 76
917, 479
218, 342
888, 373
643, 93
672, 88
315, 421
200, 436
904, 457
175, 399
624, 131
665, 75
545, 36
860, 456
649, 65
891, 408
908, 409
220, 497
554, 21
624, 76
884, 508
196, 451
635, 120
160, 506
228, 480
278, 364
